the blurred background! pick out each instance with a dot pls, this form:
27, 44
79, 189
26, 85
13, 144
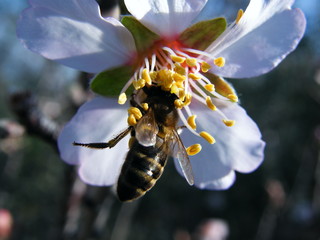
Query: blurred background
41, 197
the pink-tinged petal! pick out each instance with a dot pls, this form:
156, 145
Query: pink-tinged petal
264, 36
167, 18
74, 33
237, 148
98, 120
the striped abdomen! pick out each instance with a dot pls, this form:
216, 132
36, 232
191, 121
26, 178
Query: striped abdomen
142, 168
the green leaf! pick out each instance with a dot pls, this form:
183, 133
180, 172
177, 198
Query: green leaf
110, 82
202, 34
143, 37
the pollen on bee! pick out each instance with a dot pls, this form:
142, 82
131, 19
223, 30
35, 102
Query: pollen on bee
136, 112
146, 76
239, 15
205, 67
194, 76
219, 62
131, 120
122, 98
192, 122
209, 87
191, 62
229, 123
193, 149
210, 104
174, 89
145, 106
207, 137
177, 59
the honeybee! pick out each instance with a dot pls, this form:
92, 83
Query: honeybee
153, 139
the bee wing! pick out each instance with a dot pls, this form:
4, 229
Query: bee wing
147, 130
180, 153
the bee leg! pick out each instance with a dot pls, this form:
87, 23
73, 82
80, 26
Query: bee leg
180, 129
109, 144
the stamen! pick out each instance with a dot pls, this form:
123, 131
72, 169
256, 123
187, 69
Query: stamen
185, 122
229, 123
146, 76
239, 15
210, 104
177, 59
220, 62
179, 69
178, 77
136, 112
178, 103
193, 149
233, 97
205, 67
191, 62
192, 122
145, 106
187, 99
153, 62
131, 120
174, 89
182, 94
209, 87
194, 76
122, 98
208, 137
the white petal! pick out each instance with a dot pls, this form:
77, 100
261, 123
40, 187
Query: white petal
237, 148
265, 35
210, 173
74, 33
167, 18
96, 121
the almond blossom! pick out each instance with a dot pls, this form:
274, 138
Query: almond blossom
161, 46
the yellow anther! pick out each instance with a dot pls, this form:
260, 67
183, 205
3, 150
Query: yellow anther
205, 67
146, 76
141, 82
122, 98
177, 59
132, 120
179, 69
210, 104
209, 87
174, 89
136, 112
178, 103
178, 77
187, 99
136, 85
239, 15
145, 106
228, 123
153, 75
193, 149
220, 62
182, 94
233, 97
192, 122
194, 76
191, 62
208, 137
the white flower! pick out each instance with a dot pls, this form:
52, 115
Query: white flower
73, 33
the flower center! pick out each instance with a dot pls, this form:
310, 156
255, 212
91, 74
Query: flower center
180, 71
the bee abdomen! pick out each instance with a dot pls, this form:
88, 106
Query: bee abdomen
139, 173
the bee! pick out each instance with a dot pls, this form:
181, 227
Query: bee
153, 139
